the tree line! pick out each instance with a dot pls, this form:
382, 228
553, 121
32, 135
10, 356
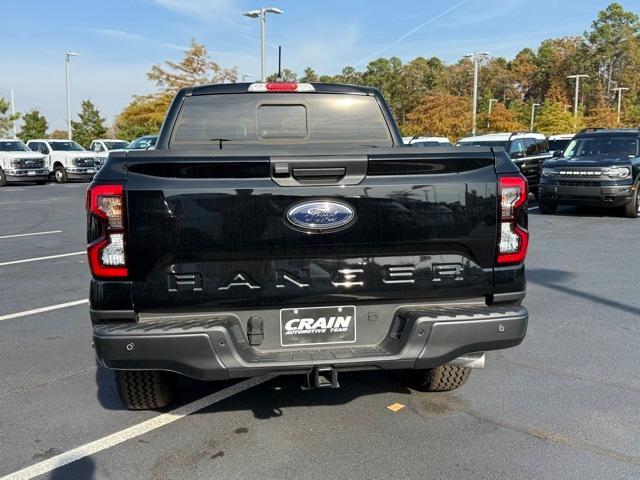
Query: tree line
428, 96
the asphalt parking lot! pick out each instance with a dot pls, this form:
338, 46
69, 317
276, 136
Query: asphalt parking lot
562, 405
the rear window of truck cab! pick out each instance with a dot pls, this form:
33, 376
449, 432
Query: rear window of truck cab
280, 119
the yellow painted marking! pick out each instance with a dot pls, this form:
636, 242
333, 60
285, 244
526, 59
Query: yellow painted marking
394, 407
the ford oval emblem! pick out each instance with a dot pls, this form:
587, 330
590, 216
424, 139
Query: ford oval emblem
321, 216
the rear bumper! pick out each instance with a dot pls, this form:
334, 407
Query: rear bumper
216, 348
603, 196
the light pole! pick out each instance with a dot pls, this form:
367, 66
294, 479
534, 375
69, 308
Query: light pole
13, 113
577, 77
491, 102
476, 61
533, 113
261, 15
245, 76
619, 90
67, 56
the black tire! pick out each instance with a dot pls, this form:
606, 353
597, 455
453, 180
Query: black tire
440, 379
60, 175
3, 179
547, 208
146, 389
632, 209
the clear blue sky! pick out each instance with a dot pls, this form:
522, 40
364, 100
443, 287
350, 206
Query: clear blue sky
119, 40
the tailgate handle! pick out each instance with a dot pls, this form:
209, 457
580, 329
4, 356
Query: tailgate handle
298, 170
312, 175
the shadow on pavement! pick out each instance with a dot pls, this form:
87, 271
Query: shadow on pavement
557, 279
268, 400
83, 469
578, 211
107, 391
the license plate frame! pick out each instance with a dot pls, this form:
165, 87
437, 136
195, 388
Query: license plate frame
339, 321
31, 173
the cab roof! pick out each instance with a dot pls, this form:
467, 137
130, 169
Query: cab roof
244, 87
562, 136
50, 140
505, 137
590, 132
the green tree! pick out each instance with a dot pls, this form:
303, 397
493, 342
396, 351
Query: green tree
384, 73
34, 126
555, 118
195, 68
58, 134
556, 59
609, 37
90, 126
6, 118
348, 75
417, 78
286, 75
309, 75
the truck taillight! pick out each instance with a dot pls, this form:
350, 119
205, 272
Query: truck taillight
513, 237
107, 252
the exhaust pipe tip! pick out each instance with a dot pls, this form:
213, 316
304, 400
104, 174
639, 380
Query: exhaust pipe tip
470, 360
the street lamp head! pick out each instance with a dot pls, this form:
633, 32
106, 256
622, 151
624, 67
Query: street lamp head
262, 11
72, 54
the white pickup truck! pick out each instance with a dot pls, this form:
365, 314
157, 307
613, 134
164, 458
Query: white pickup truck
66, 159
19, 164
102, 146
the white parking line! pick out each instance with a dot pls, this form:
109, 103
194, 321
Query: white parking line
43, 309
134, 431
46, 200
30, 234
37, 259
533, 208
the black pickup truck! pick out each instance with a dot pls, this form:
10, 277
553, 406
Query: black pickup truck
284, 227
600, 167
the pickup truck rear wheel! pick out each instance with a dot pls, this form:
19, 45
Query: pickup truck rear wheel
632, 209
146, 389
60, 174
3, 179
440, 379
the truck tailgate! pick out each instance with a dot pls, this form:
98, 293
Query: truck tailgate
211, 232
